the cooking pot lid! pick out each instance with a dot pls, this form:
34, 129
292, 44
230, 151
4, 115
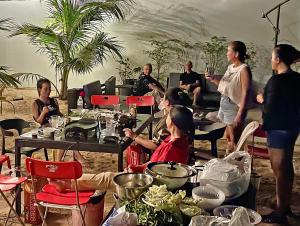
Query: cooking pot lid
169, 169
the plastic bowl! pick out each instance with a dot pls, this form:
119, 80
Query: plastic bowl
209, 196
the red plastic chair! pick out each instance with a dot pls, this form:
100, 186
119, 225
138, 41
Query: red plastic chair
3, 159
255, 151
104, 100
49, 197
8, 184
140, 101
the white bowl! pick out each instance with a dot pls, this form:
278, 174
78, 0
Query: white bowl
209, 196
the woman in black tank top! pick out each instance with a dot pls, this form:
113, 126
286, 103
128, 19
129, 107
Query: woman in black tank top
44, 107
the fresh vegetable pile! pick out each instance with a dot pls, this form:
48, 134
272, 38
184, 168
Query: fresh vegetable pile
158, 206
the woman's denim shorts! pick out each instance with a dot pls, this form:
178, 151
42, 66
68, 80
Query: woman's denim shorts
282, 139
227, 111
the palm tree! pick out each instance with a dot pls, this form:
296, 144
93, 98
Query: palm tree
73, 39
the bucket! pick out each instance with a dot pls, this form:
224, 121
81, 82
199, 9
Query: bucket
93, 215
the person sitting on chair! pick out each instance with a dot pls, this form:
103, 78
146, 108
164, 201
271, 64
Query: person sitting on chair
44, 107
191, 82
173, 96
147, 85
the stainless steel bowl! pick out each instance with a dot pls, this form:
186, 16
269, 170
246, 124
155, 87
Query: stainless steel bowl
131, 185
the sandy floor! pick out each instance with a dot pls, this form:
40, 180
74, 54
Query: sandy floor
108, 162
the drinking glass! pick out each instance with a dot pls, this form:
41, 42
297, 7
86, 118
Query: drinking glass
132, 110
110, 127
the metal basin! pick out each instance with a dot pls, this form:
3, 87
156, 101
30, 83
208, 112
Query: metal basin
131, 185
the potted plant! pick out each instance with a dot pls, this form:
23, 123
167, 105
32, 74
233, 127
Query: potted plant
128, 75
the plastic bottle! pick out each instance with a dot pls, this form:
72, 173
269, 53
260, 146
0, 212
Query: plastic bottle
80, 103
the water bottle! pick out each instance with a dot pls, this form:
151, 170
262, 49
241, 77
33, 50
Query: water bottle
80, 103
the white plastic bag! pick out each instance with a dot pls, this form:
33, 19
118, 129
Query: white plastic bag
218, 169
124, 218
231, 174
208, 221
240, 217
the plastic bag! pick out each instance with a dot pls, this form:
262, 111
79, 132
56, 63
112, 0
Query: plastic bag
208, 221
240, 217
218, 169
231, 174
124, 218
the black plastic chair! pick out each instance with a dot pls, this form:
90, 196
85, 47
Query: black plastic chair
16, 124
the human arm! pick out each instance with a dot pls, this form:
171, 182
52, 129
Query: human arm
213, 78
39, 118
153, 86
246, 85
149, 144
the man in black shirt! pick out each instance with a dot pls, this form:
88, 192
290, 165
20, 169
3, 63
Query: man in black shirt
146, 83
191, 82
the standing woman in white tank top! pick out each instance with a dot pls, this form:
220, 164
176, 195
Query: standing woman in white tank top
235, 88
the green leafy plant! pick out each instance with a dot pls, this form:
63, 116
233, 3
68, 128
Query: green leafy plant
182, 52
73, 39
213, 53
160, 55
127, 70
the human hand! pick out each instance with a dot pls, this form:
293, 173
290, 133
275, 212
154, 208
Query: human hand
128, 169
129, 133
152, 86
209, 76
45, 110
237, 120
260, 98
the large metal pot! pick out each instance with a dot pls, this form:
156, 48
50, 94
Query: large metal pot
174, 175
131, 185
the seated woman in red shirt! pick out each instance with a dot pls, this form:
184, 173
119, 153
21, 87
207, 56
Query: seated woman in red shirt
174, 148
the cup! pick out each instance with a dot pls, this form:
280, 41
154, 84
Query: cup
56, 121
110, 127
132, 110
33, 130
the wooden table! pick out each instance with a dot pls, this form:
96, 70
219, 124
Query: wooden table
91, 145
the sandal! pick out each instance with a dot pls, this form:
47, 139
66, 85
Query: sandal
274, 218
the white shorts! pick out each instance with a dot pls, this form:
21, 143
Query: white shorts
227, 111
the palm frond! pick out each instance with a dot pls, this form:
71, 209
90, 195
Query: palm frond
6, 24
8, 80
95, 52
22, 76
